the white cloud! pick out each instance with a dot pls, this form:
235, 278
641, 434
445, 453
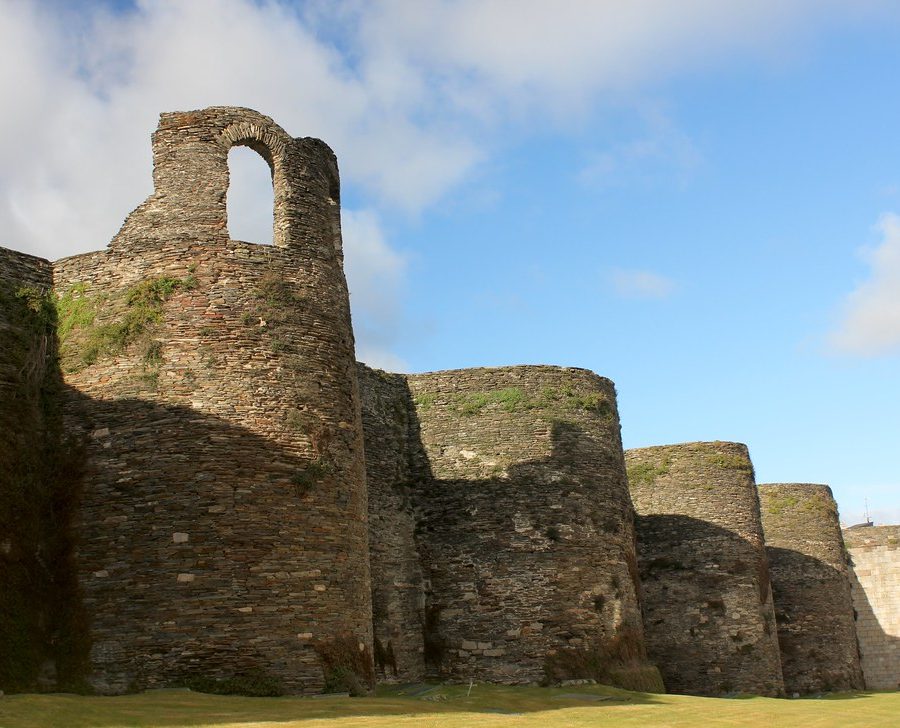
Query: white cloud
880, 516
375, 275
251, 200
870, 321
641, 284
80, 106
556, 57
411, 94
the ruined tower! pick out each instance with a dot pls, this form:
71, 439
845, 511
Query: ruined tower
223, 519
811, 588
708, 616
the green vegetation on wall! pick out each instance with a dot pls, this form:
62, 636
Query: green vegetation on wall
730, 462
646, 473
514, 399
812, 503
84, 341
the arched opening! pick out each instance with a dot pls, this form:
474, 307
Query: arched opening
251, 199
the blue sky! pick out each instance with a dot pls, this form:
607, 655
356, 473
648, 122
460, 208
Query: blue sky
698, 200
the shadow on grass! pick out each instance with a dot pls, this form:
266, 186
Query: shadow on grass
178, 707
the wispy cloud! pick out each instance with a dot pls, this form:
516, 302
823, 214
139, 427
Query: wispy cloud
646, 284
375, 276
661, 152
869, 323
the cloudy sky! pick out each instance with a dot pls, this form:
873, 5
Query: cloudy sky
698, 199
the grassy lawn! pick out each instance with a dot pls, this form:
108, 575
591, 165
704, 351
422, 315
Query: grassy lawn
447, 707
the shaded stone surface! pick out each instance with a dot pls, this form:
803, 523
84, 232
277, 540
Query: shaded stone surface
524, 523
225, 510
709, 622
811, 588
393, 465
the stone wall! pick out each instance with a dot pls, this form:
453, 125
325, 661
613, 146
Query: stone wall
875, 585
188, 406
708, 617
811, 588
223, 524
393, 465
30, 545
524, 526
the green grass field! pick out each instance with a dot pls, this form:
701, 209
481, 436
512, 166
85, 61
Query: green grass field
447, 707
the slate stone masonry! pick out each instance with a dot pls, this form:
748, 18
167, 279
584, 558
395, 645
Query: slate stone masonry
223, 525
525, 522
811, 588
708, 616
198, 480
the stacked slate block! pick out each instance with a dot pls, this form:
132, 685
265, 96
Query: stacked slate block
811, 588
393, 461
223, 520
709, 622
197, 480
514, 482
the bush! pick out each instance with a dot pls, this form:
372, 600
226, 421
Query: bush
597, 661
345, 666
254, 683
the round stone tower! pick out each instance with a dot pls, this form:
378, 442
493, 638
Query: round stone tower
811, 588
708, 616
525, 524
223, 521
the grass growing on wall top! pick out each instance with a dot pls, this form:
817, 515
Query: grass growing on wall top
646, 473
509, 399
813, 503
730, 462
514, 399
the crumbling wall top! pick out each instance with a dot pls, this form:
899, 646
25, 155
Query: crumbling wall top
190, 180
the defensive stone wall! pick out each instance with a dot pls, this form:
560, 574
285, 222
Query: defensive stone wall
393, 467
811, 588
875, 585
524, 524
708, 617
41, 623
184, 491
223, 523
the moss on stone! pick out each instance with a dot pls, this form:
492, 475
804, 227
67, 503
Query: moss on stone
509, 399
775, 505
730, 462
640, 474
554, 399
83, 341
